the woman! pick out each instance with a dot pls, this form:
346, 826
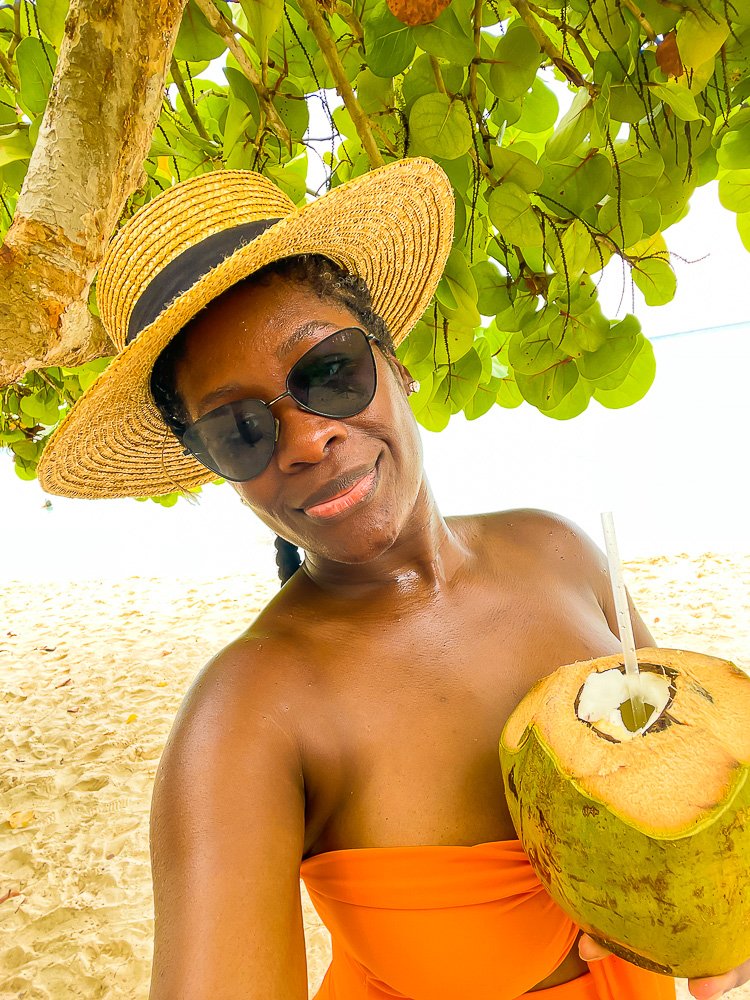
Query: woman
350, 735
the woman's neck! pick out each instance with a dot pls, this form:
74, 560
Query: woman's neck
422, 560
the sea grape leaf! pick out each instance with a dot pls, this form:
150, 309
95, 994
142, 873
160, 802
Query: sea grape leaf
483, 399
446, 38
680, 100
577, 183
196, 40
420, 79
548, 388
620, 344
539, 109
512, 214
636, 383
462, 380
440, 126
241, 87
263, 18
451, 342
389, 44
573, 404
15, 146
700, 36
517, 57
36, 62
493, 296
572, 129
743, 228
734, 190
510, 165
51, 15
435, 414
734, 152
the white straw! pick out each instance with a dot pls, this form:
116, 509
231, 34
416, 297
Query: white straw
624, 623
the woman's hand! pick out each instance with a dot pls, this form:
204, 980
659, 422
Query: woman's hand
702, 989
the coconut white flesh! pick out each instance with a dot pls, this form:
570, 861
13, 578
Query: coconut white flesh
604, 693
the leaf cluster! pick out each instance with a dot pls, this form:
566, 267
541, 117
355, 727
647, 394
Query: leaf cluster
543, 200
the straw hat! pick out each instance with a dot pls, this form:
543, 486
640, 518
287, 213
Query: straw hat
393, 227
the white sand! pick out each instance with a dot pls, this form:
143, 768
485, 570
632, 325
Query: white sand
91, 676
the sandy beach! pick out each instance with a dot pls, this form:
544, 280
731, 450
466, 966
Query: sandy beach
91, 676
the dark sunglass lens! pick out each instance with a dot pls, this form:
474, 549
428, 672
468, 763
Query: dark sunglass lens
235, 440
336, 378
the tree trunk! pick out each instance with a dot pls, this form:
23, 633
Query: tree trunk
96, 132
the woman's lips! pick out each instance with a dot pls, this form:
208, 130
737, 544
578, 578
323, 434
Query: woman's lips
354, 495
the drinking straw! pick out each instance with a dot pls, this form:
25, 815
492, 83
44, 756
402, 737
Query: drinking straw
624, 623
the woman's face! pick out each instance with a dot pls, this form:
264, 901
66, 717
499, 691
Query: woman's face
244, 345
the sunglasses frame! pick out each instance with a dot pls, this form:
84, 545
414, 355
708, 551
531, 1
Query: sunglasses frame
370, 338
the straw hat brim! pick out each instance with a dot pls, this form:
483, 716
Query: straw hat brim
393, 227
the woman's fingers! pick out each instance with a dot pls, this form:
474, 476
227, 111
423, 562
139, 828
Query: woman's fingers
590, 951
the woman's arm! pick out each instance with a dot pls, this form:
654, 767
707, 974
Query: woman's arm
227, 837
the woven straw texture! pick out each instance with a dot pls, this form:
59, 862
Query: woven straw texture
393, 227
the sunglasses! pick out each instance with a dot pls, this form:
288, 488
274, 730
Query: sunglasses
335, 378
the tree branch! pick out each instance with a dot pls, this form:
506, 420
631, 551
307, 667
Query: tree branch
563, 27
311, 13
88, 159
545, 44
7, 68
637, 14
215, 18
187, 101
346, 12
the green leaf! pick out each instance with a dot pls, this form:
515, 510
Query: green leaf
571, 254
15, 146
656, 280
509, 165
619, 346
439, 126
462, 380
420, 79
451, 342
389, 43
679, 99
547, 389
512, 214
493, 296
483, 399
241, 87
743, 228
576, 183
34, 73
446, 38
734, 191
51, 15
640, 169
292, 107
539, 109
435, 414
620, 222
700, 36
572, 129
196, 39
517, 57
573, 404
263, 18
637, 382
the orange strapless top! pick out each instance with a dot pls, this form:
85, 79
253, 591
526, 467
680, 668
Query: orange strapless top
448, 923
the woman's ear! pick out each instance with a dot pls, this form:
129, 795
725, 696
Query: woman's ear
404, 375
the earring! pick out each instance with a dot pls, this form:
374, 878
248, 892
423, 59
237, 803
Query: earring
413, 386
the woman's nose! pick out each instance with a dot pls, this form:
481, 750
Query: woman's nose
304, 438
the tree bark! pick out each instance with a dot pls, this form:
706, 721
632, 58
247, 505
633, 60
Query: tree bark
96, 132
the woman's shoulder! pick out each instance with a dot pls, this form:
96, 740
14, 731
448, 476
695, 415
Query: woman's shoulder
536, 537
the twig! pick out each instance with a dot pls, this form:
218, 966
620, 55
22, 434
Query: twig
8, 70
311, 13
638, 15
575, 32
347, 13
191, 109
437, 73
216, 20
545, 44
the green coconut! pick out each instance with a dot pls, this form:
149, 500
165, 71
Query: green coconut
642, 835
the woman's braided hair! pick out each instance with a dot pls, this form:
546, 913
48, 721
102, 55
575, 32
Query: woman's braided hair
329, 281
